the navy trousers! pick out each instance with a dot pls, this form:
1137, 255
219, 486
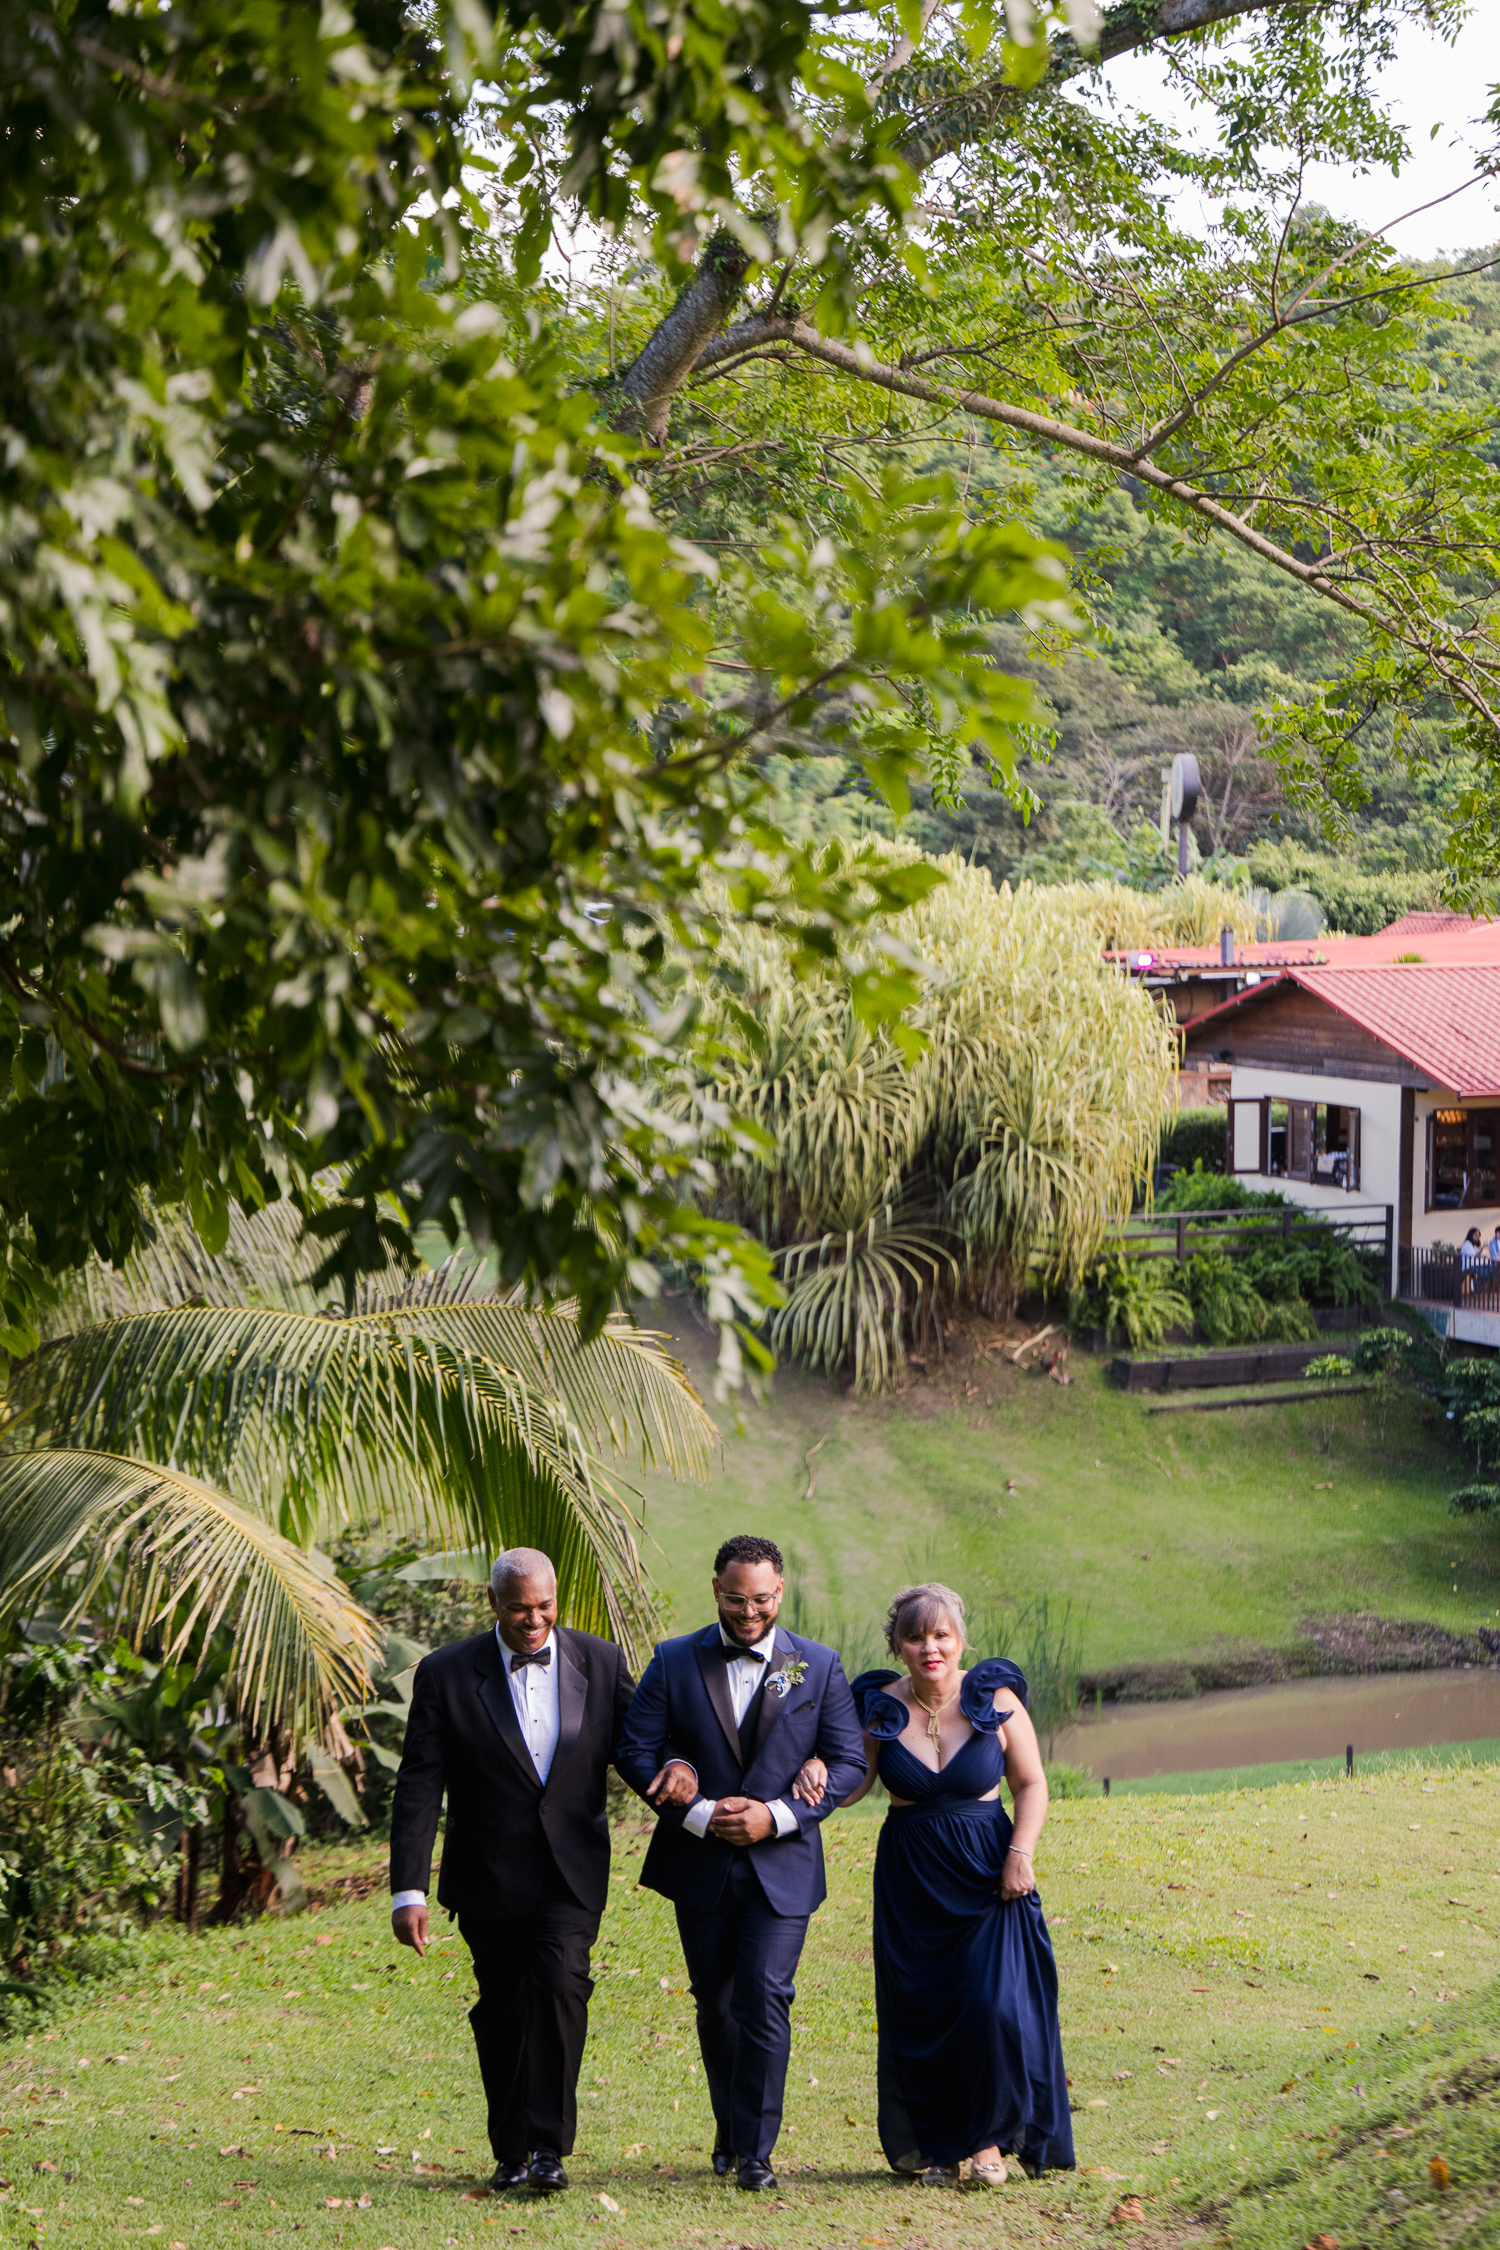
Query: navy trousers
741, 1959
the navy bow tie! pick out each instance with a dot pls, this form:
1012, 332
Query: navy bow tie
750, 1655
543, 1657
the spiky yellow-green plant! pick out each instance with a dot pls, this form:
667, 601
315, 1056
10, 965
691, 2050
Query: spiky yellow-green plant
1014, 1135
1188, 913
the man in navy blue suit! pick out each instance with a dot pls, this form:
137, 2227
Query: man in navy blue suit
718, 1731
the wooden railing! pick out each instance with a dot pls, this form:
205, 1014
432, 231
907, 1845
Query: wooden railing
1368, 1227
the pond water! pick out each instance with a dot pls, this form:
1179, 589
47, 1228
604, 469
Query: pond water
1296, 1719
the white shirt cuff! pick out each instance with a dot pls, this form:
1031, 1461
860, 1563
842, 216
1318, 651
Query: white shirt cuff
407, 1898
782, 1814
697, 1817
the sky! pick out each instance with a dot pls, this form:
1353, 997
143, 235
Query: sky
1431, 85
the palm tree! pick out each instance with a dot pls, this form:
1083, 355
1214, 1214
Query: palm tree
173, 1453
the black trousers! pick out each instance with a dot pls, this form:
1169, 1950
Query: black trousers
532, 2018
741, 1959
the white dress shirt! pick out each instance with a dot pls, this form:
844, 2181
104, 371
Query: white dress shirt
533, 1691
744, 1675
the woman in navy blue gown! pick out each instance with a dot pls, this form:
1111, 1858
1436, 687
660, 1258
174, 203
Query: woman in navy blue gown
970, 2059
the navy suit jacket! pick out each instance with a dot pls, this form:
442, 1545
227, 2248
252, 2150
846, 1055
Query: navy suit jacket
682, 1710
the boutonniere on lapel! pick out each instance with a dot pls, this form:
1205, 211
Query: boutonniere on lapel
787, 1676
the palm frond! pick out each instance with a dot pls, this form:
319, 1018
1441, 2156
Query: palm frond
851, 1295
176, 1556
464, 1421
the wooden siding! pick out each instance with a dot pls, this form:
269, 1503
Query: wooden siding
1289, 1029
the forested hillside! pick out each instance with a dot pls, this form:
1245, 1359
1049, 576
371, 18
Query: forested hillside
1192, 635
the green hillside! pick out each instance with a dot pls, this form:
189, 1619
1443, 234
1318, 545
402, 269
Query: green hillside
1175, 1537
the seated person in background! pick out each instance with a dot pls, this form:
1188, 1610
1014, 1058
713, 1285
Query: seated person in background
1495, 1245
1471, 1256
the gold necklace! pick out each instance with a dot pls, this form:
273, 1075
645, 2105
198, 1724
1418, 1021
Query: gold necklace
934, 1730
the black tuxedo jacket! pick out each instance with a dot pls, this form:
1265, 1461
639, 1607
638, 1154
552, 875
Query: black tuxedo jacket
505, 1831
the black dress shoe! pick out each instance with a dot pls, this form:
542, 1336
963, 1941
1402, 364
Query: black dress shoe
755, 2175
723, 2160
546, 2175
511, 2171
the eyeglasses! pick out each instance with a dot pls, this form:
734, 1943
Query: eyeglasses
749, 1601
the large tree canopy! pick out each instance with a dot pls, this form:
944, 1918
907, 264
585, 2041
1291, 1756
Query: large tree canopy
1256, 382
377, 707
358, 771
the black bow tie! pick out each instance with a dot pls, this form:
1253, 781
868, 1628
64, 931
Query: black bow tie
750, 1655
543, 1657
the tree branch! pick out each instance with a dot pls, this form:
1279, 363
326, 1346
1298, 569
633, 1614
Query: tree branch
678, 344
963, 117
1427, 640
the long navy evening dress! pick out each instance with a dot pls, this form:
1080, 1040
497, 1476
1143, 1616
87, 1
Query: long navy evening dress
969, 2050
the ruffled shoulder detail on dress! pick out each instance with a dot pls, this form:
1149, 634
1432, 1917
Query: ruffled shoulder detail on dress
880, 1714
976, 1696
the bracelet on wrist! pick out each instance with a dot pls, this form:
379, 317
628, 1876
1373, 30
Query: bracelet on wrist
1018, 1851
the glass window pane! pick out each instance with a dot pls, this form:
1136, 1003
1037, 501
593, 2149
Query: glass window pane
1333, 1144
1276, 1163
1450, 1159
1482, 1188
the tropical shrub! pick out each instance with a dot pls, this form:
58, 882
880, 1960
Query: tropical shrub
87, 1832
1324, 1371
1316, 1264
1195, 1140
1201, 1189
1230, 1309
1137, 1299
1472, 1390
992, 1136
1387, 1357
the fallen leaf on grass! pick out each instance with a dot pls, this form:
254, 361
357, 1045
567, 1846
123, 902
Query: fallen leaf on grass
475, 2195
1324, 2242
848, 2120
609, 2203
234, 2150
1437, 2172
637, 2148
1127, 2212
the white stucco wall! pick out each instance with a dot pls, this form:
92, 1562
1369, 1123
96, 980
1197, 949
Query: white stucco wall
1379, 1107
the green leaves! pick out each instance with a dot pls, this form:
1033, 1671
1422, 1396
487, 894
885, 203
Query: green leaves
447, 1413
365, 778
177, 1558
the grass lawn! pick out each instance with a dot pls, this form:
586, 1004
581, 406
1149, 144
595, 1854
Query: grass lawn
1176, 1536
1280, 2007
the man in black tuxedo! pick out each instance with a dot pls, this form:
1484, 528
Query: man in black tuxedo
519, 1726
721, 1724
